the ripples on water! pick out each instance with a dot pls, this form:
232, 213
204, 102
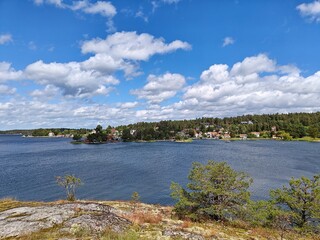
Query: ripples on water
28, 166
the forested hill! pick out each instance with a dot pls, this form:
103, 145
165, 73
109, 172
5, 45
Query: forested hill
297, 124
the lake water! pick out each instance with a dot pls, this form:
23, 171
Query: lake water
28, 166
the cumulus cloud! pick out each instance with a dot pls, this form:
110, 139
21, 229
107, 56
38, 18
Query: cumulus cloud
9, 73
227, 41
255, 85
160, 88
95, 75
48, 92
132, 46
253, 65
71, 78
310, 10
5, 38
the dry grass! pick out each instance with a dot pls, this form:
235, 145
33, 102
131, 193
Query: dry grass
9, 203
186, 224
140, 217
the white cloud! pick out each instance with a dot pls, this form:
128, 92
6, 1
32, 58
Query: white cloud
310, 10
5, 38
227, 41
132, 46
255, 85
48, 92
71, 78
219, 93
94, 76
160, 88
5, 90
105, 9
8, 73
256, 64
128, 105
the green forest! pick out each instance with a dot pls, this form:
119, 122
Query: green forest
297, 125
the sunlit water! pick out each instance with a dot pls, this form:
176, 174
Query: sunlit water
28, 166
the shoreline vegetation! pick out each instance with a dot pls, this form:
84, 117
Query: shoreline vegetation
286, 127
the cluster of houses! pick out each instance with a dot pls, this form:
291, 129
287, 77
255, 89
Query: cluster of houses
221, 133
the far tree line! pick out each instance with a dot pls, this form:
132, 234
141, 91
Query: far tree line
285, 126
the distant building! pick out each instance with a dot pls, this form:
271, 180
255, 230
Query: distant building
243, 136
257, 134
226, 135
273, 129
132, 131
247, 122
51, 134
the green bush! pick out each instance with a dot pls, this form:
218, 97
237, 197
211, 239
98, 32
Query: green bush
215, 191
302, 199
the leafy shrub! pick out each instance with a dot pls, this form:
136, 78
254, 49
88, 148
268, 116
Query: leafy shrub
216, 191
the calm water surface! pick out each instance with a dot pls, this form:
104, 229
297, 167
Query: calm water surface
28, 166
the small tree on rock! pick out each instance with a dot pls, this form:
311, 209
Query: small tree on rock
70, 183
216, 191
135, 199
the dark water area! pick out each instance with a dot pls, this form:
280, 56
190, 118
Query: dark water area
28, 166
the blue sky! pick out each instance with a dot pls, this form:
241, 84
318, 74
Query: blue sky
68, 63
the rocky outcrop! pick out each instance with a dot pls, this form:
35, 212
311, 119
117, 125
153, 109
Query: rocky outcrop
92, 217
117, 220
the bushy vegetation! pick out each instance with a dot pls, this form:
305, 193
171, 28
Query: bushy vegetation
217, 192
302, 199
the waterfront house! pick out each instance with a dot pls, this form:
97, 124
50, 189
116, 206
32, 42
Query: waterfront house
257, 134
51, 134
243, 136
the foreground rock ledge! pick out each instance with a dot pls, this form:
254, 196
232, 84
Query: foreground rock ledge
93, 217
